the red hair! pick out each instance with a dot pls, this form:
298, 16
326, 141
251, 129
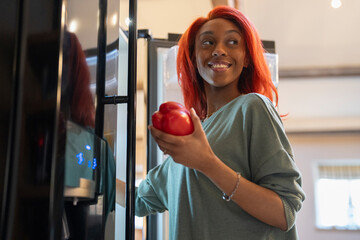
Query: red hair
254, 78
82, 104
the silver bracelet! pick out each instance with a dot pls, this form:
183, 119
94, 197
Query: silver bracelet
228, 198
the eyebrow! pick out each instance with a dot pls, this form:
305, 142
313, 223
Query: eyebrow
211, 32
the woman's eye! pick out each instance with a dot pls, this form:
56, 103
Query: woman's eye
207, 42
233, 42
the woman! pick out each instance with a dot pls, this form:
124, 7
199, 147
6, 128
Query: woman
234, 177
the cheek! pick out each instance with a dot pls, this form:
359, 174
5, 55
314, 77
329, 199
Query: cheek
201, 61
245, 59
199, 65
201, 70
199, 57
197, 60
242, 60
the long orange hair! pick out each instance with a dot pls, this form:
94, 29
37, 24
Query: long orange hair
254, 78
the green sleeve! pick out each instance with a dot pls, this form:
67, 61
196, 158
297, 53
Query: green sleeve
271, 156
151, 196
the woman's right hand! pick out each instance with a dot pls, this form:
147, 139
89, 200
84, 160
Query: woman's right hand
192, 150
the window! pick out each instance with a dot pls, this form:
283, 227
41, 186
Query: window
337, 194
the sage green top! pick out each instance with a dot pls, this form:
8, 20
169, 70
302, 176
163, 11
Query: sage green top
247, 135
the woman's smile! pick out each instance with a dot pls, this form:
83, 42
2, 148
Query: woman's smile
219, 66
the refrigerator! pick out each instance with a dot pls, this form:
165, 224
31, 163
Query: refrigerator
67, 119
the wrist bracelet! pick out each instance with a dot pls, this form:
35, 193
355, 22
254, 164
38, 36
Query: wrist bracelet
228, 198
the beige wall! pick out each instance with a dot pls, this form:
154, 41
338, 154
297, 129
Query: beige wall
166, 16
309, 33
309, 148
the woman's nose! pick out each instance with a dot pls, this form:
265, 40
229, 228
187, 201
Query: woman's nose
219, 50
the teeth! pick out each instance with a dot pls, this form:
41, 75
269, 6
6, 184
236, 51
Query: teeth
219, 66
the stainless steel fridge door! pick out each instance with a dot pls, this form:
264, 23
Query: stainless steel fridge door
62, 79
31, 202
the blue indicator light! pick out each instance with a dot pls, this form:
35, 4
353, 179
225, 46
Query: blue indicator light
80, 158
88, 147
91, 164
94, 163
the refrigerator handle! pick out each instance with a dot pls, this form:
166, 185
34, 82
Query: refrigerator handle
131, 134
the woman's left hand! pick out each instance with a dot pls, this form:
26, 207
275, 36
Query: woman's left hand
192, 150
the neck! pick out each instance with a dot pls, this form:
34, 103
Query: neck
216, 99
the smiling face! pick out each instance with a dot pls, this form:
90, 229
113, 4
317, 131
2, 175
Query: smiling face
220, 54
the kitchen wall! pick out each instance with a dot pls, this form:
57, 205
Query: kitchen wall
309, 33
323, 124
310, 148
324, 111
